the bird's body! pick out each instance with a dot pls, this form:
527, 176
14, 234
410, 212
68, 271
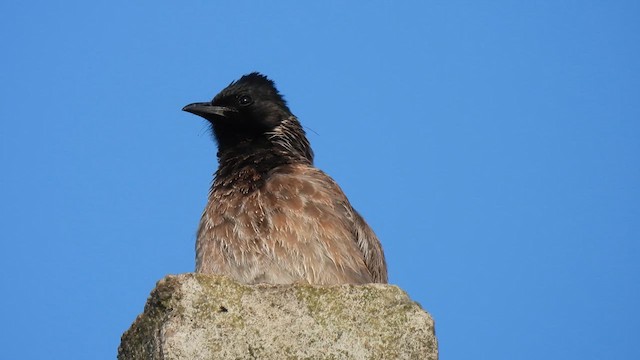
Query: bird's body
272, 217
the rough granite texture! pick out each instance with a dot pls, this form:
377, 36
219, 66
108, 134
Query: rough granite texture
195, 316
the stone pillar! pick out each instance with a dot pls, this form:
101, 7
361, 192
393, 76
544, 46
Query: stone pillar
196, 316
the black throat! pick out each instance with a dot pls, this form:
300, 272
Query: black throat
247, 158
246, 166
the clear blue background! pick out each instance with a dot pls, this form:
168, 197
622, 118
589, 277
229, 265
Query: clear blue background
493, 146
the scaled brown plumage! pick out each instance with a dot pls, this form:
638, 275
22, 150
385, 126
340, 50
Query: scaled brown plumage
272, 217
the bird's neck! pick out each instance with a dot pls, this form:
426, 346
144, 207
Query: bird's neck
246, 160
253, 154
246, 166
286, 143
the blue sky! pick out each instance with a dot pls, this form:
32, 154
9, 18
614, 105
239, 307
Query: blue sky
493, 147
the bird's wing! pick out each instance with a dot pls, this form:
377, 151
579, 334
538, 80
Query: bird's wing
364, 237
371, 249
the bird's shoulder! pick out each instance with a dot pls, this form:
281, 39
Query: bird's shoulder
304, 180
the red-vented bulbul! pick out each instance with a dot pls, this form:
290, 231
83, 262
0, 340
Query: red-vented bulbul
272, 217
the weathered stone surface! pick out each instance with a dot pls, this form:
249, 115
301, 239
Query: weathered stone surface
195, 316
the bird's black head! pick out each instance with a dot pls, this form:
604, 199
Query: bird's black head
251, 112
249, 104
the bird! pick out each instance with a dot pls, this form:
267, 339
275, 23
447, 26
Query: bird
272, 217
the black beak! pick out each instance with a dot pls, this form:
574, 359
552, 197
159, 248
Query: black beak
208, 111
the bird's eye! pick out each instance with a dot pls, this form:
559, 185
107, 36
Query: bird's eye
245, 100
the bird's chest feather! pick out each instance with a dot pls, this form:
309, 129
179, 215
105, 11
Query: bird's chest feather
292, 224
254, 200
282, 207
